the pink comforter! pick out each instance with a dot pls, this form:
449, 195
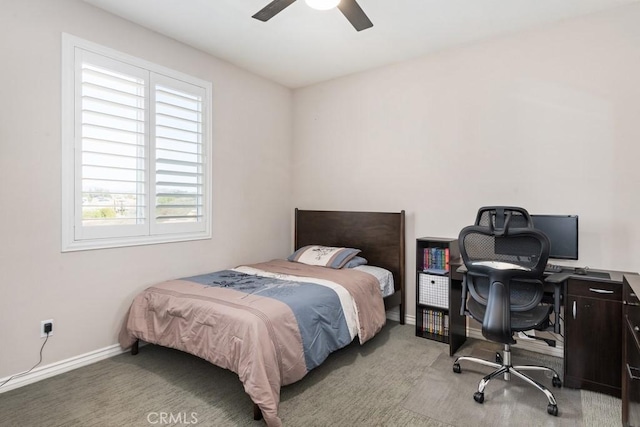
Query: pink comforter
254, 336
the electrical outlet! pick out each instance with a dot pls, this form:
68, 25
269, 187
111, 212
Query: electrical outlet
43, 324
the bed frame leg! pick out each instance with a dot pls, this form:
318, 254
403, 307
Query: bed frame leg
134, 348
257, 413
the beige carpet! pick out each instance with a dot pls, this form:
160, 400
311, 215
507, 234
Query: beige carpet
386, 382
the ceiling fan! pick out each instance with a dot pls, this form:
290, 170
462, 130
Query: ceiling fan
349, 8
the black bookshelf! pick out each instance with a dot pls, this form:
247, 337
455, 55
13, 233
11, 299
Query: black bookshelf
436, 318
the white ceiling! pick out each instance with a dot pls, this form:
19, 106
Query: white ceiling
301, 46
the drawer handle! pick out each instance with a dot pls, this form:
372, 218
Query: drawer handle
636, 328
601, 291
575, 308
634, 373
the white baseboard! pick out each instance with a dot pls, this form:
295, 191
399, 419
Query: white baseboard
409, 319
394, 314
60, 367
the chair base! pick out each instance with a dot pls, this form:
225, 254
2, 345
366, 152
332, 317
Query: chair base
503, 367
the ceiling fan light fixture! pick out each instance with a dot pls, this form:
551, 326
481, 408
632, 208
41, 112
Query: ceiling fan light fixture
322, 4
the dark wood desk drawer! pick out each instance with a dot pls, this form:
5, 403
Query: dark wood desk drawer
631, 352
633, 327
628, 295
593, 335
631, 378
595, 289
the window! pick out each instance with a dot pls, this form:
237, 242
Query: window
136, 151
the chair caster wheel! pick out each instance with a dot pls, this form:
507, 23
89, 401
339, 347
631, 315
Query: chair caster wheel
556, 382
456, 368
499, 358
479, 397
552, 409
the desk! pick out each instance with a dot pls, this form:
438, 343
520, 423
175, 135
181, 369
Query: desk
593, 333
631, 351
592, 308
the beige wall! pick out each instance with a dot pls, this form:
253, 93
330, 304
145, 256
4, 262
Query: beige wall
87, 293
547, 119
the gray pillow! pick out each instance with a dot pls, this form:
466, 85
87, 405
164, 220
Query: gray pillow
356, 261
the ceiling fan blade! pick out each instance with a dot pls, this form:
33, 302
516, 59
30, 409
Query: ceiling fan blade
354, 13
272, 9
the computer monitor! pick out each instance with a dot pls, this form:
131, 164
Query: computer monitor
562, 231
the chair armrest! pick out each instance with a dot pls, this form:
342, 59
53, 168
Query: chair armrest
557, 278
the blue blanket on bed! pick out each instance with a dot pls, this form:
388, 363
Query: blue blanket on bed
317, 308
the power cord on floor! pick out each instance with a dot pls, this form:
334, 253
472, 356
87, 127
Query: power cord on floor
32, 368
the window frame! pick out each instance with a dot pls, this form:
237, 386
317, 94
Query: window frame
73, 237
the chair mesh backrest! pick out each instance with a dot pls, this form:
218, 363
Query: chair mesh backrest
523, 250
523, 247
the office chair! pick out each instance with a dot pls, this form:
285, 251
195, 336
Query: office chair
503, 288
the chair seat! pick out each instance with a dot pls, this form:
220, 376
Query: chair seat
537, 318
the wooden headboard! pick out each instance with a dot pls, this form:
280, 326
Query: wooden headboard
379, 235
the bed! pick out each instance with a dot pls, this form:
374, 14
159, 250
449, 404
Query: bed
272, 322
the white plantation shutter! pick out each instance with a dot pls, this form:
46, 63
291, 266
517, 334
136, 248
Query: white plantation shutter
136, 141
179, 154
112, 181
